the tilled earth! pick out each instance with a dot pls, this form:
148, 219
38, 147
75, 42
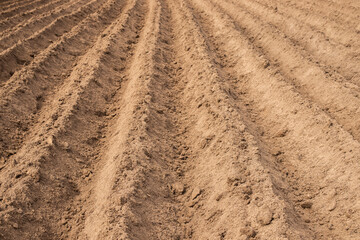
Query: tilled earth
191, 119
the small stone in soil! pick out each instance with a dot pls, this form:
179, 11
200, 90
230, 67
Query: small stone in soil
306, 205
195, 193
177, 188
265, 216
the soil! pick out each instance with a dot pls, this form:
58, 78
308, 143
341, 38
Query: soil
191, 119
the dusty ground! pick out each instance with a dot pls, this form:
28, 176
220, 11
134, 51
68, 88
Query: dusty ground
191, 119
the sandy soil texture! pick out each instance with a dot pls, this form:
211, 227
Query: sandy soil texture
190, 119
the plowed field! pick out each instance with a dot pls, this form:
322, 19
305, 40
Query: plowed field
191, 119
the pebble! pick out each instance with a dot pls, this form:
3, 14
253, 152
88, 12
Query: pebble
281, 133
195, 193
86, 173
265, 216
219, 197
50, 141
331, 206
306, 205
66, 146
178, 188
248, 232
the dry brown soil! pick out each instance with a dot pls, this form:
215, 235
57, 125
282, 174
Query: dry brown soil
190, 119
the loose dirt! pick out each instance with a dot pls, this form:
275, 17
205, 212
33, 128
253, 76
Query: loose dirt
191, 119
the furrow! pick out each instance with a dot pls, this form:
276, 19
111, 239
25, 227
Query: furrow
7, 3
11, 4
152, 210
66, 139
128, 191
20, 54
13, 11
191, 119
33, 25
310, 156
16, 21
335, 98
23, 96
334, 59
349, 3
335, 32
318, 12
223, 174
338, 13
36, 23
